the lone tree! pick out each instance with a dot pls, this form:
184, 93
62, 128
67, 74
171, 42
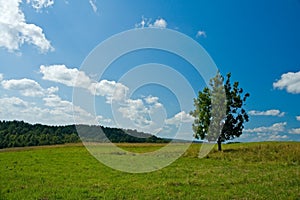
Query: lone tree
219, 113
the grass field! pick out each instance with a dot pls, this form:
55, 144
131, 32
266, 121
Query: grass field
269, 170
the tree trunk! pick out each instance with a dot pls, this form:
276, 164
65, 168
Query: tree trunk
219, 144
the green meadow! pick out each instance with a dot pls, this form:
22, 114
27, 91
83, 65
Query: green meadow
267, 170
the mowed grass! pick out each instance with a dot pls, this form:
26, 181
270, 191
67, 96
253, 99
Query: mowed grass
269, 170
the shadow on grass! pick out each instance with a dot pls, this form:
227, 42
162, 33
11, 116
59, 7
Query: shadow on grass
230, 150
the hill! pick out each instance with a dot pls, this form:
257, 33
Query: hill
21, 134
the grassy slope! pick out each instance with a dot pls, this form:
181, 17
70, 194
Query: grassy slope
242, 171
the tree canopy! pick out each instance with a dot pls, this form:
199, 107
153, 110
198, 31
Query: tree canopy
219, 111
21, 134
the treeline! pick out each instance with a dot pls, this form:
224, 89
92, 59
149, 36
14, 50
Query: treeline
22, 134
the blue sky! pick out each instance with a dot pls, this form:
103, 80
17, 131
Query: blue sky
43, 44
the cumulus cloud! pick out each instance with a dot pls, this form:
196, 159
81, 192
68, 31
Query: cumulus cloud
56, 101
110, 89
104, 121
27, 87
277, 137
15, 31
179, 118
68, 76
298, 118
275, 128
12, 108
158, 23
201, 34
54, 111
13, 101
145, 113
1, 77
258, 137
153, 101
48, 107
75, 78
178, 127
66, 111
93, 4
139, 111
273, 112
294, 131
289, 81
136, 111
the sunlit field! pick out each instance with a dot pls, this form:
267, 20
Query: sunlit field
268, 170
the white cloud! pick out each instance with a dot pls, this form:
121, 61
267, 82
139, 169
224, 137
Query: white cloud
14, 108
159, 23
258, 137
56, 101
267, 113
294, 131
179, 118
136, 111
93, 4
1, 77
51, 110
145, 22
13, 101
153, 101
277, 137
105, 121
54, 111
39, 4
63, 109
27, 87
178, 127
275, 128
146, 114
15, 31
141, 24
298, 118
201, 34
110, 89
289, 81
67, 76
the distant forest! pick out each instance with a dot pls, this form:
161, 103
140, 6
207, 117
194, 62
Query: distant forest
22, 134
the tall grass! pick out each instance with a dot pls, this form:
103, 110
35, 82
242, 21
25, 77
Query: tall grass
269, 170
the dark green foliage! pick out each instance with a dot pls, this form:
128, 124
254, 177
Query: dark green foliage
95, 134
220, 105
21, 134
236, 114
202, 114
